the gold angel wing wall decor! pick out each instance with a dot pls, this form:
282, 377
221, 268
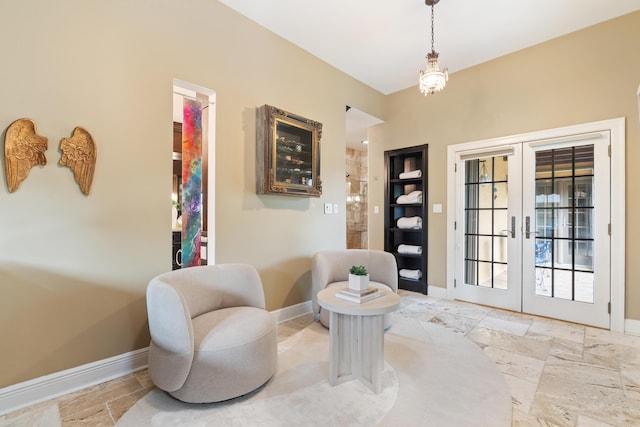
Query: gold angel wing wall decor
79, 153
23, 149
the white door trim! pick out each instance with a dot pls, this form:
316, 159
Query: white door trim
618, 141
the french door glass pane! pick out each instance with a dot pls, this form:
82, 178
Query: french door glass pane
485, 221
471, 249
471, 222
584, 286
564, 223
562, 284
484, 248
500, 249
470, 270
484, 275
500, 168
500, 221
499, 195
485, 201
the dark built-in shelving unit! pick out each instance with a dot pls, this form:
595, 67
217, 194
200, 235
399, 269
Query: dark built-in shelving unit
396, 162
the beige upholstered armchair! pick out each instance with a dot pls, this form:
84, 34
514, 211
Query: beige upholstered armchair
211, 337
331, 268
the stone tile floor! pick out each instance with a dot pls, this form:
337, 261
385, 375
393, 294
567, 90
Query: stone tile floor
559, 373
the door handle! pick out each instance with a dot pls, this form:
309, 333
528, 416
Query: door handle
527, 228
513, 228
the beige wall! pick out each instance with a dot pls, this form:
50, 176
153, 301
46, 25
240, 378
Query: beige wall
586, 76
73, 269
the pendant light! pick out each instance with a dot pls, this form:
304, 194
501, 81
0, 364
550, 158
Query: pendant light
432, 80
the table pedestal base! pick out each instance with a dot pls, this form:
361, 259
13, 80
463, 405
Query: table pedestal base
357, 349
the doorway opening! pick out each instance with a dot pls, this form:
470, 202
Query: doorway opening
357, 177
193, 188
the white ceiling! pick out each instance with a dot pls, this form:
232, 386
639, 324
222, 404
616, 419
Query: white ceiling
382, 43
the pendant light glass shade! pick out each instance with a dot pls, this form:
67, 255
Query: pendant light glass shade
433, 80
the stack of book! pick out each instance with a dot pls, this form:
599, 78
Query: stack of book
365, 295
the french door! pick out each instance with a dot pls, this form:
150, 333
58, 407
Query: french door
532, 221
566, 245
489, 257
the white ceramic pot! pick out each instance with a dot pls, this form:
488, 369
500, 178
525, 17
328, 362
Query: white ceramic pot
358, 283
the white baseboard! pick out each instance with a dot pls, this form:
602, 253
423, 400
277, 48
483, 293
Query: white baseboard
292, 311
632, 327
437, 292
41, 389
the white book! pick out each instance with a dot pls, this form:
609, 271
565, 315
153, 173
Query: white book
357, 293
352, 298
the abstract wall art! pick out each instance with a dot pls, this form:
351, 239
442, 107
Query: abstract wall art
191, 183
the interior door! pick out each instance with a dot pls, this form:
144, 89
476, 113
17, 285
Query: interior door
488, 234
566, 244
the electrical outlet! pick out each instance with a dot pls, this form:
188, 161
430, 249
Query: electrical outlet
335, 208
328, 208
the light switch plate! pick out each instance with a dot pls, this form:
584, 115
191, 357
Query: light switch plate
328, 208
437, 208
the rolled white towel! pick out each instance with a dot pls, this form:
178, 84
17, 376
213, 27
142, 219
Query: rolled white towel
414, 222
410, 274
411, 174
413, 197
410, 249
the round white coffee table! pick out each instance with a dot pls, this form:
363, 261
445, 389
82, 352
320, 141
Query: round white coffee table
356, 337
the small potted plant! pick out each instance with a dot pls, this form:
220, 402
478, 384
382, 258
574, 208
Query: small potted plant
358, 278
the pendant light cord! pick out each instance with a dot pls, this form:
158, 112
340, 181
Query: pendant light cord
432, 37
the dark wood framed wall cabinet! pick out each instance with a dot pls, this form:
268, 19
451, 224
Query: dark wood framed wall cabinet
405, 219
